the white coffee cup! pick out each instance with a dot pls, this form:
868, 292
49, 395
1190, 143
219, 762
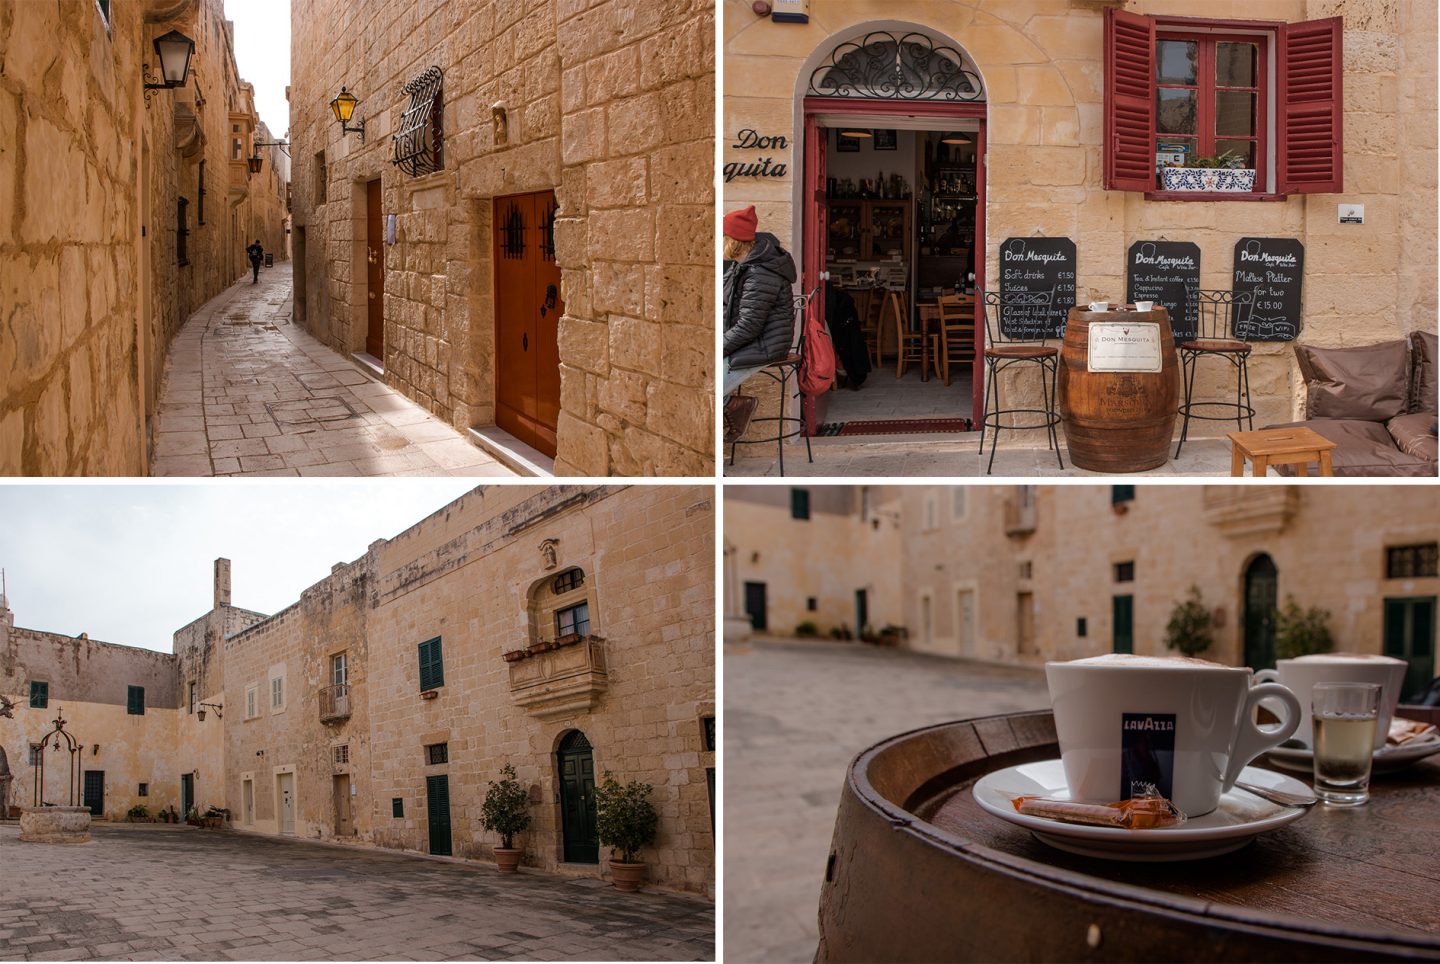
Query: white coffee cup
1185, 725
1300, 675
1099, 306
1144, 305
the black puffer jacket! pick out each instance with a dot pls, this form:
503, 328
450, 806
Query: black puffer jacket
759, 312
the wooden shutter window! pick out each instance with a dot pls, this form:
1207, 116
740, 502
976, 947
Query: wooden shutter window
1129, 101
1311, 107
432, 667
135, 701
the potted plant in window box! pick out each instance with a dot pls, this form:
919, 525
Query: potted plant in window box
506, 812
1223, 172
625, 821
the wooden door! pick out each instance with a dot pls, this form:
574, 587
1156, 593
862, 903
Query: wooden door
755, 606
862, 612
187, 794
247, 802
576, 763
1122, 621
965, 620
1410, 635
1261, 591
95, 792
285, 787
437, 813
344, 822
374, 272
528, 307
813, 251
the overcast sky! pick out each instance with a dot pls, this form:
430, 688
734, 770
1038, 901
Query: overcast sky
133, 563
262, 50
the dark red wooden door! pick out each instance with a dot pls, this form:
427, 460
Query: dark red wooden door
374, 273
527, 315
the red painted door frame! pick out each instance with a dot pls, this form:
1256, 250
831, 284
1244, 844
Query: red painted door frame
939, 111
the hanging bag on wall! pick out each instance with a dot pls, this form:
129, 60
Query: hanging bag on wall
817, 364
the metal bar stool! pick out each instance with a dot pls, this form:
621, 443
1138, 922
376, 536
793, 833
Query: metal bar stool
782, 373
1003, 352
1216, 337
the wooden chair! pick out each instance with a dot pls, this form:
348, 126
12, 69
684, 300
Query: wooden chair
869, 309
910, 345
955, 342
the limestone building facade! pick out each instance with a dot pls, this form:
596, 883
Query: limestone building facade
1022, 574
521, 238
1034, 112
121, 211
567, 631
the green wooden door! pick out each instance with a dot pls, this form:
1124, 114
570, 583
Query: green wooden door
95, 792
1122, 621
1262, 582
577, 800
1410, 635
437, 809
187, 794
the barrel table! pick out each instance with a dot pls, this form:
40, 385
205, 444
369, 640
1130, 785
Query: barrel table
918, 872
1118, 420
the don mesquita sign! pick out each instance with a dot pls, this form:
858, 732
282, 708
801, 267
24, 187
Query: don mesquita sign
750, 139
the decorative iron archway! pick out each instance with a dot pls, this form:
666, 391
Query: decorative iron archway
56, 738
891, 66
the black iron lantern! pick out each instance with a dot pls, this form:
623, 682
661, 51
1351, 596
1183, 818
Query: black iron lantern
254, 163
173, 50
343, 107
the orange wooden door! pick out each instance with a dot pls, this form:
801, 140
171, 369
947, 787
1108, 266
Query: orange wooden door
374, 272
527, 315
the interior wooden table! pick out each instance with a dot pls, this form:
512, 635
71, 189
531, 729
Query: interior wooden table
918, 871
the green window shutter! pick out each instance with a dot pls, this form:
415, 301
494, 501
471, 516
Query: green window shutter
135, 703
432, 666
39, 694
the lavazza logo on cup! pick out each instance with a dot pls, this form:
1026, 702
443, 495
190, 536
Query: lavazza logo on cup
1147, 755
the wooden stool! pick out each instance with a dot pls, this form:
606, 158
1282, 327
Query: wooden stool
1279, 446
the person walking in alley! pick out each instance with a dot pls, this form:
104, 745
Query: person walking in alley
256, 253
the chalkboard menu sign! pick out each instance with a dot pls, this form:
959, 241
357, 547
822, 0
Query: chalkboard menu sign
1037, 286
1267, 275
1167, 273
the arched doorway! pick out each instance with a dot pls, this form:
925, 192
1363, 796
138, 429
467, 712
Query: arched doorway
1261, 585
576, 767
916, 95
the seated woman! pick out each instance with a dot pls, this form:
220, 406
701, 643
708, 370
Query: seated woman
758, 301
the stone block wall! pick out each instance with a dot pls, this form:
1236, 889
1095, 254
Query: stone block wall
1042, 67
609, 105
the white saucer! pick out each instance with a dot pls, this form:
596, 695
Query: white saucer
1387, 759
1230, 826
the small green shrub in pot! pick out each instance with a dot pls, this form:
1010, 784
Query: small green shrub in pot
625, 821
506, 811
1301, 632
1189, 626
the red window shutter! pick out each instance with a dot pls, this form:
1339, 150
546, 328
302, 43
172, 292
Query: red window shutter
1311, 122
1129, 101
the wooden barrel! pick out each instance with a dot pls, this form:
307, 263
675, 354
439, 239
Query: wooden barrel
1117, 421
918, 872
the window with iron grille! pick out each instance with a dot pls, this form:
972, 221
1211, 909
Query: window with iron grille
1411, 562
573, 619
1124, 572
182, 233
135, 701
436, 753
708, 723
342, 754
39, 694
143, 790
419, 137
568, 580
432, 665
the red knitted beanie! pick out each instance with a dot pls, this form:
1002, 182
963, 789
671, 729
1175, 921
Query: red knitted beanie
740, 225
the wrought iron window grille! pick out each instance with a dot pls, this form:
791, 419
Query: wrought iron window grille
890, 67
513, 233
547, 233
419, 142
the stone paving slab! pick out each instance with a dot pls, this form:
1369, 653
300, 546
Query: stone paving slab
796, 714
186, 894
247, 392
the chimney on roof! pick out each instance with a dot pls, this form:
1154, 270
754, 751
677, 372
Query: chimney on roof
222, 583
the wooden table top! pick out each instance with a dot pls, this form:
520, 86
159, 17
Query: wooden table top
1344, 884
1280, 441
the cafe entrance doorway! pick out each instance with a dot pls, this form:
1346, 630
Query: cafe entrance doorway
893, 208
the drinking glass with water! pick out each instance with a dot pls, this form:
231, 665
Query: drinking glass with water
1345, 716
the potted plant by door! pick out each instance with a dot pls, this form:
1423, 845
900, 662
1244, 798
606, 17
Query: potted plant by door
506, 812
625, 821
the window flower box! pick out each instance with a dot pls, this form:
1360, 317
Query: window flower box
1237, 180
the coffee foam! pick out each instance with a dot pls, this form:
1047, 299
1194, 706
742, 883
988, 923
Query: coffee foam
1345, 658
1131, 661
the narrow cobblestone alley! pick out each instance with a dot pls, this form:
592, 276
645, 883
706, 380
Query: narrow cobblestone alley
246, 392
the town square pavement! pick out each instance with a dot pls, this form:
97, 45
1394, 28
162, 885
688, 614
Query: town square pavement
247, 392
796, 713
181, 894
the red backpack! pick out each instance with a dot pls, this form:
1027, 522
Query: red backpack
817, 366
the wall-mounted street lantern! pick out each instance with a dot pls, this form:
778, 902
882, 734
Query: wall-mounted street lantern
255, 161
217, 707
173, 50
344, 107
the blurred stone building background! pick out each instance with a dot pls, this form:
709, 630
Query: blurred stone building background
1022, 574
521, 240
568, 631
121, 211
